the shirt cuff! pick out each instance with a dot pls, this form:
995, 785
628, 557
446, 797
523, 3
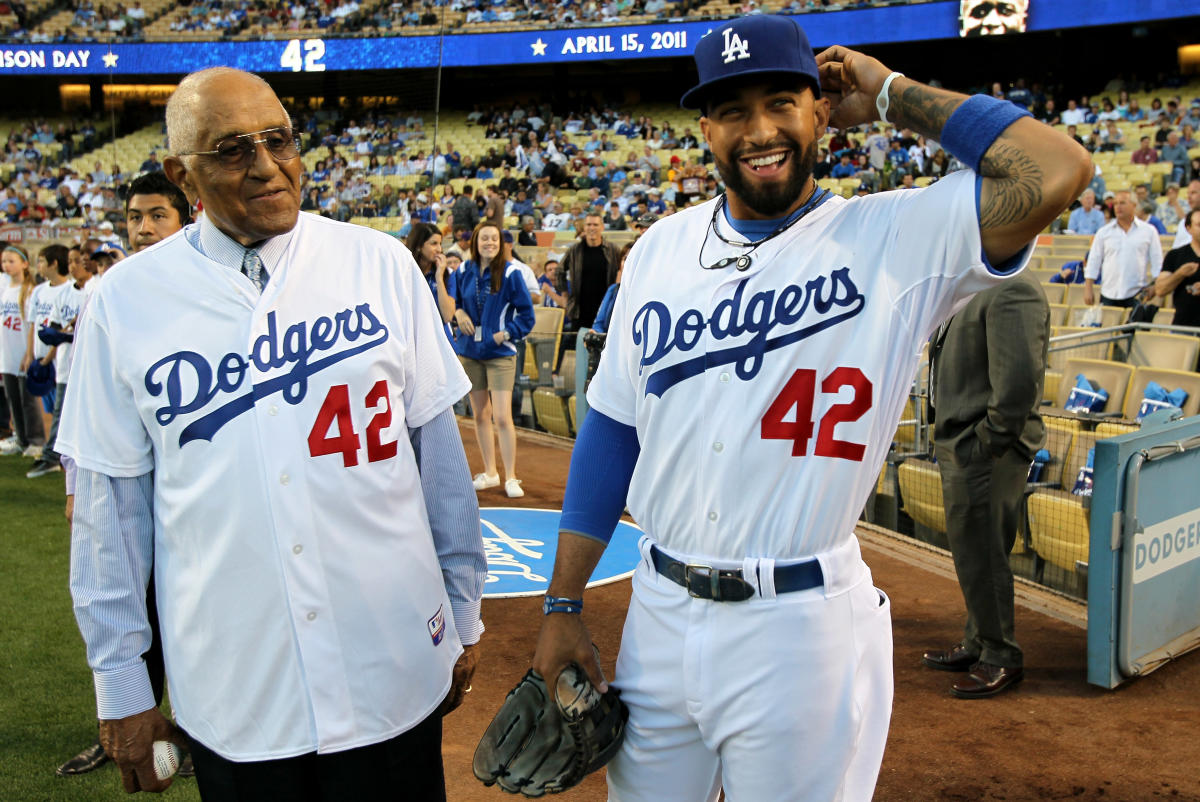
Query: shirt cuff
124, 691
467, 620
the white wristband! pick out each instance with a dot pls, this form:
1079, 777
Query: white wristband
882, 102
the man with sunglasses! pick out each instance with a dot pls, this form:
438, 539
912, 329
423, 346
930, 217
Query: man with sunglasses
265, 447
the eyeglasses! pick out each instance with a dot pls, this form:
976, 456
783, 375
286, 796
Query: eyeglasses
239, 152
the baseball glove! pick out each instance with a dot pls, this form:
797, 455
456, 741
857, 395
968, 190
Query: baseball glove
541, 745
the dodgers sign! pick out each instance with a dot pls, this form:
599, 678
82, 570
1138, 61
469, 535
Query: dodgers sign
520, 547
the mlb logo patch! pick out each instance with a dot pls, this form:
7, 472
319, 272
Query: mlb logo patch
437, 626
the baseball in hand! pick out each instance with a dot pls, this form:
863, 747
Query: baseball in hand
167, 757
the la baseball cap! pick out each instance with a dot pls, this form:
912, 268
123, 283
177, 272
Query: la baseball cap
762, 44
507, 236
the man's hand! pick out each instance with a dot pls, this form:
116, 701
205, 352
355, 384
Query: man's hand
130, 742
564, 639
851, 81
26, 361
1089, 297
464, 670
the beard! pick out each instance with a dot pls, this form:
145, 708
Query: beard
771, 200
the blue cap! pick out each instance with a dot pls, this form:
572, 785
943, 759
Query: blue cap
39, 379
761, 44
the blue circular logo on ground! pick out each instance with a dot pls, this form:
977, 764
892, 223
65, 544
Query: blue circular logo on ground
520, 546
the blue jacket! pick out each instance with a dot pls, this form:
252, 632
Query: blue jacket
605, 312
510, 309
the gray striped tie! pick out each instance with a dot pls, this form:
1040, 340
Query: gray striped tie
252, 266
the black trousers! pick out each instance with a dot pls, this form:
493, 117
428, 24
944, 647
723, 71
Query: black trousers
1123, 302
983, 503
407, 768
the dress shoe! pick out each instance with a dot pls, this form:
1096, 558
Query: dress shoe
956, 658
89, 759
986, 680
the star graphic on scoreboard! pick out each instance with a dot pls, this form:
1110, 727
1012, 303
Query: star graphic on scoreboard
110, 60
539, 47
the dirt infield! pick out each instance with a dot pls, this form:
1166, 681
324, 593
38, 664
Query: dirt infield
1054, 737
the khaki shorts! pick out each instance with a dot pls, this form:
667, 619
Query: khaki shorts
497, 375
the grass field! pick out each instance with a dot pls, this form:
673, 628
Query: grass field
47, 709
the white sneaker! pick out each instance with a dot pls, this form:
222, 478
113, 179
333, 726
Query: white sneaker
34, 451
513, 488
485, 480
9, 447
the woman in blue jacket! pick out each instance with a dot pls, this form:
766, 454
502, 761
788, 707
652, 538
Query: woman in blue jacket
494, 313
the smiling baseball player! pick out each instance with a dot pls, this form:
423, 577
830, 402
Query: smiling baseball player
759, 356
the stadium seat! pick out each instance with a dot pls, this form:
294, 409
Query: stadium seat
1054, 295
1060, 439
1111, 376
1074, 296
1109, 315
1058, 312
1159, 350
547, 327
921, 492
1098, 346
1169, 380
1164, 317
1108, 429
1058, 528
550, 411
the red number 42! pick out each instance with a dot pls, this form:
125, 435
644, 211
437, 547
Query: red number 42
335, 414
800, 392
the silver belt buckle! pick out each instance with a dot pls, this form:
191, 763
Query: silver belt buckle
704, 571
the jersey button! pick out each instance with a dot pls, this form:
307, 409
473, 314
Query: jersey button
311, 616
272, 410
724, 377
718, 447
297, 549
712, 516
284, 478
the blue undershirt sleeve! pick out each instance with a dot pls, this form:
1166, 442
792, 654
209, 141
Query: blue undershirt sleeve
601, 468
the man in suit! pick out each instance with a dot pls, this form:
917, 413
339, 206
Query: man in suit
988, 366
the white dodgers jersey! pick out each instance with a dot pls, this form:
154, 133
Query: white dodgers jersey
765, 401
300, 596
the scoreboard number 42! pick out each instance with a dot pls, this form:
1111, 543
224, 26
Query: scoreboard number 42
307, 61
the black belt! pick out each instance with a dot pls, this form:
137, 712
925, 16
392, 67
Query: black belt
719, 584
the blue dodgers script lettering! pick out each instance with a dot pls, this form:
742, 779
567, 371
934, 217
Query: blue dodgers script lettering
830, 300
270, 351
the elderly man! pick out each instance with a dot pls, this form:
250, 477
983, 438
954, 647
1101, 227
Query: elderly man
271, 439
1087, 218
1123, 252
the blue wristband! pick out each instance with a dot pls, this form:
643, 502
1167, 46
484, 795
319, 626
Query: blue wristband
975, 125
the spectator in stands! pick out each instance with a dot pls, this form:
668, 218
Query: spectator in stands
1179, 277
465, 213
1174, 152
1182, 236
493, 310
1145, 213
547, 285
588, 267
987, 367
1123, 251
1050, 115
527, 236
15, 316
1086, 219
1112, 139
613, 219
151, 164
1070, 272
1171, 209
1073, 115
1145, 154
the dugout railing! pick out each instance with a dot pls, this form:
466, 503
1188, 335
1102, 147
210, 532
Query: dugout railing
1052, 544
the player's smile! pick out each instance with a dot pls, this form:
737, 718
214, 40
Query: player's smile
768, 165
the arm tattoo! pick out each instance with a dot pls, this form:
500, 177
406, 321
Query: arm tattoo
925, 109
1013, 186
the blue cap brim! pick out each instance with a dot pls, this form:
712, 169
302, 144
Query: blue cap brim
695, 98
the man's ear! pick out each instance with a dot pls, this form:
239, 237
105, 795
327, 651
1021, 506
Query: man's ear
820, 116
704, 130
179, 175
